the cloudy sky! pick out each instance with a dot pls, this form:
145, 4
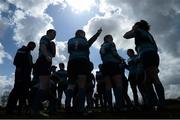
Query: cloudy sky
27, 20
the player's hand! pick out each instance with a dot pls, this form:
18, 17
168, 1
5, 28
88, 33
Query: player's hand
99, 30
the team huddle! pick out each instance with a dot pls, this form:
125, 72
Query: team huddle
84, 90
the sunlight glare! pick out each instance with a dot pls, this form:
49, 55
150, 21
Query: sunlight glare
81, 5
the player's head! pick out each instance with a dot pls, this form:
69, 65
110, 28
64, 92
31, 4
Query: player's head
80, 33
108, 38
61, 65
130, 52
51, 33
31, 45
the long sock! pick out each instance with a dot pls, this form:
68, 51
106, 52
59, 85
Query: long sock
118, 94
40, 95
136, 99
160, 93
12, 100
150, 97
153, 96
81, 96
52, 101
108, 97
69, 96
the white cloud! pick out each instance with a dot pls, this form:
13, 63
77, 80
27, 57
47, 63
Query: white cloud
169, 74
3, 27
6, 84
31, 21
114, 25
4, 22
30, 28
61, 53
170, 91
3, 6
4, 54
30, 18
81, 6
34, 7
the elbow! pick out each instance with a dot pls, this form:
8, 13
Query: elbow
129, 35
125, 36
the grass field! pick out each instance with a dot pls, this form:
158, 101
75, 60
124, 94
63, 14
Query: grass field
172, 111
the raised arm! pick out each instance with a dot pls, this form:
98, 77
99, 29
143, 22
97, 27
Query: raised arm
94, 37
129, 34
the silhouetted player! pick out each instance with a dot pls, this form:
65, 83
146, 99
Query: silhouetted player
132, 64
100, 87
23, 63
79, 66
148, 52
62, 82
111, 72
46, 53
127, 100
90, 91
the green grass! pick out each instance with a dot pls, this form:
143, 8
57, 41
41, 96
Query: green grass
172, 111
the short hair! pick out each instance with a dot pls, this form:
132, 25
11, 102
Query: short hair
79, 31
61, 64
107, 36
31, 43
50, 31
137, 23
130, 50
144, 25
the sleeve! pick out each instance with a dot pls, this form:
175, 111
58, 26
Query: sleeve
43, 41
19, 58
131, 34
